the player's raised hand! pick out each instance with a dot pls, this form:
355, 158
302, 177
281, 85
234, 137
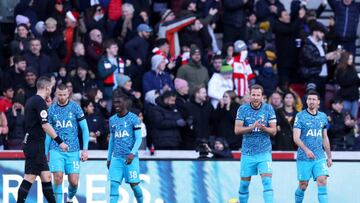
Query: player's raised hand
108, 164
84, 155
64, 147
329, 162
129, 159
310, 154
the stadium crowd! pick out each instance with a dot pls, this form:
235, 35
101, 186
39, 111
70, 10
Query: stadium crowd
184, 82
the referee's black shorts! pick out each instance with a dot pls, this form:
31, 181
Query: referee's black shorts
35, 159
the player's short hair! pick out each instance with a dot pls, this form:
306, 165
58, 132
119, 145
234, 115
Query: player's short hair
61, 86
257, 87
126, 99
43, 82
313, 92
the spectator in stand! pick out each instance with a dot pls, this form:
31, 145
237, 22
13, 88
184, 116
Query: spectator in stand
170, 26
313, 58
36, 60
3, 130
235, 19
126, 28
286, 50
228, 52
74, 28
109, 66
124, 87
268, 10
200, 115
220, 150
97, 126
349, 82
217, 62
257, 55
138, 51
96, 96
197, 34
341, 126
21, 42
347, 13
224, 118
82, 81
95, 19
16, 123
161, 47
15, 75
53, 43
6, 101
194, 72
166, 122
220, 83
156, 78
243, 75
182, 95
30, 86
267, 78
285, 117
275, 100
94, 49
77, 59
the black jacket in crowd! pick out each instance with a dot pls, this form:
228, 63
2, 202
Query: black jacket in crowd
349, 84
225, 124
96, 122
41, 64
202, 116
16, 126
235, 12
338, 131
53, 44
284, 137
285, 44
165, 132
310, 58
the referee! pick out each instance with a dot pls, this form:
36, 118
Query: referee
36, 125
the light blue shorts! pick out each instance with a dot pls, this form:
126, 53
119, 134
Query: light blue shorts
255, 164
119, 170
66, 162
311, 169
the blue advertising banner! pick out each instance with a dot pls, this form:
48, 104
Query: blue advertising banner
189, 181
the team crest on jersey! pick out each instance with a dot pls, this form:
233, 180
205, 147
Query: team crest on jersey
43, 114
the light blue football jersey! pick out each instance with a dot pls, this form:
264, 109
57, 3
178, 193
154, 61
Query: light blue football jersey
256, 141
64, 119
311, 127
122, 133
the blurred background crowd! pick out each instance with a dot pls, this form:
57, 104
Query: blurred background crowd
187, 65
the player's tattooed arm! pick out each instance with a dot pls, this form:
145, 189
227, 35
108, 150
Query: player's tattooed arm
299, 143
326, 145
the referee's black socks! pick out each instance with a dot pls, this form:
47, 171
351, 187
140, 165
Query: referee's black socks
23, 191
48, 191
